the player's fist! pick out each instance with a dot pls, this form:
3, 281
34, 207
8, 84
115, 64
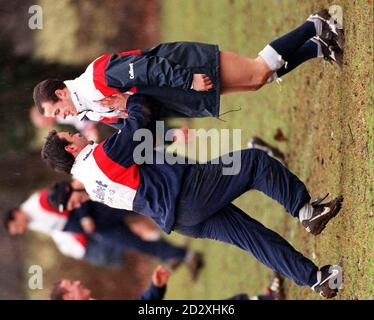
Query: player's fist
201, 82
116, 102
160, 276
76, 199
88, 225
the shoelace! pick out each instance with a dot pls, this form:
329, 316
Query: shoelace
229, 111
319, 200
331, 50
330, 23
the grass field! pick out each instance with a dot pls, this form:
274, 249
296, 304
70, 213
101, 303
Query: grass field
327, 116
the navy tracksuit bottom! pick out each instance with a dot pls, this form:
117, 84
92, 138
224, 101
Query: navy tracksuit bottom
121, 237
204, 210
113, 234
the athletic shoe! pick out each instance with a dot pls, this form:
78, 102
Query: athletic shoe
336, 13
258, 143
173, 263
331, 30
330, 54
195, 263
324, 277
322, 214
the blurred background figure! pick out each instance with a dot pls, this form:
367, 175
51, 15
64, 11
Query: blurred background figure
274, 291
66, 289
272, 151
94, 232
26, 60
85, 127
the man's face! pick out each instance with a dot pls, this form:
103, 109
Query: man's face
63, 107
77, 141
75, 290
19, 223
39, 120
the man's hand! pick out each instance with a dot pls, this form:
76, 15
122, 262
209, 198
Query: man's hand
160, 276
201, 82
88, 225
143, 227
77, 197
116, 102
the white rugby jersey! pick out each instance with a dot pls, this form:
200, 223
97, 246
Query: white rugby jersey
86, 94
105, 180
46, 219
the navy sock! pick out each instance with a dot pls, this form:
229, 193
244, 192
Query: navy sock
308, 51
290, 42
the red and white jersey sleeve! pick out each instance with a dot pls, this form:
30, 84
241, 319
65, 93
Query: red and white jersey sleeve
105, 180
86, 92
43, 217
70, 244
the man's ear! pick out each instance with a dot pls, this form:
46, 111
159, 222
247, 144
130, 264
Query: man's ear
71, 148
60, 93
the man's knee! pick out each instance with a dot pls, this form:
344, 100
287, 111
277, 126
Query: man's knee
263, 72
258, 86
256, 153
263, 78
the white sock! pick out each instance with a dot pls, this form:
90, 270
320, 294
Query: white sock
319, 50
272, 78
272, 58
189, 256
306, 212
317, 23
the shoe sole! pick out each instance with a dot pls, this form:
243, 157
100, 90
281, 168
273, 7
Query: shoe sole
336, 12
334, 292
333, 16
335, 209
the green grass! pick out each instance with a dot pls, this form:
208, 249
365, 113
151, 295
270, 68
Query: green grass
327, 115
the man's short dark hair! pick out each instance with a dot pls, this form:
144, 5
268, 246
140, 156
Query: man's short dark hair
45, 92
59, 194
57, 293
8, 217
55, 155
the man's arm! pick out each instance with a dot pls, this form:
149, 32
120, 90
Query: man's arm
116, 102
139, 113
157, 290
70, 244
120, 146
77, 196
83, 214
153, 293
